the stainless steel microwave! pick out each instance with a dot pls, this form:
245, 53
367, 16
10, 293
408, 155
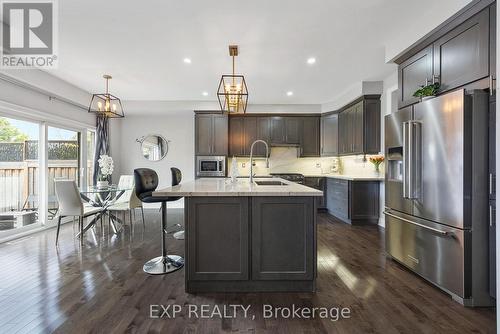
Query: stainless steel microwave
210, 166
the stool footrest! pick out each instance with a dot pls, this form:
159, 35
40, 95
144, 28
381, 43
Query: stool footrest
163, 265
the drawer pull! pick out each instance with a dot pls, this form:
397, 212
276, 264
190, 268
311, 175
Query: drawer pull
417, 224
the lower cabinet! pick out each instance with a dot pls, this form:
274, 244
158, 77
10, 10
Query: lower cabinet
352, 201
282, 238
250, 244
218, 238
320, 184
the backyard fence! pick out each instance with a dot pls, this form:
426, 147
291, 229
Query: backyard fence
19, 171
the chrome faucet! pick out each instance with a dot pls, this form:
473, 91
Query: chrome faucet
251, 157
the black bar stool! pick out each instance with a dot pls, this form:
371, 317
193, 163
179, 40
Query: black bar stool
176, 179
146, 181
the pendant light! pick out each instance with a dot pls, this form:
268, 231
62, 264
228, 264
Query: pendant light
106, 105
232, 92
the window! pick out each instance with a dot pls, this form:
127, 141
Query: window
19, 174
63, 161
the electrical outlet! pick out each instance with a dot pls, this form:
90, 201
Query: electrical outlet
243, 165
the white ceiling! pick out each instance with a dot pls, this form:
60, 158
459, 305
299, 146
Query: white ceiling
143, 44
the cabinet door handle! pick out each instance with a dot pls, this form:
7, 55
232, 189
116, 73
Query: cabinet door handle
435, 78
491, 216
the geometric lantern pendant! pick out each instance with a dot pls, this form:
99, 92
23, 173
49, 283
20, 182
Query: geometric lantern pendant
233, 92
106, 105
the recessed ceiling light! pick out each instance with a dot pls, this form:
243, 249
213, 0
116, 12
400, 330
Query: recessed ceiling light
187, 60
204, 93
290, 93
311, 60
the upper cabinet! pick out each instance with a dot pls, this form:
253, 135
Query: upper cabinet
462, 55
413, 73
330, 135
300, 131
458, 55
310, 137
285, 130
359, 127
211, 134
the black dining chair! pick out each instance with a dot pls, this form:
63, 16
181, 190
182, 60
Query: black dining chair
146, 181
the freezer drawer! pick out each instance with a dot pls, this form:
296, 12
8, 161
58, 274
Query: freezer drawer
434, 251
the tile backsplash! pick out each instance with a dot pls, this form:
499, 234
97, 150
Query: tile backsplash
285, 160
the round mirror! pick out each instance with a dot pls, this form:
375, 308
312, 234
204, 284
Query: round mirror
154, 147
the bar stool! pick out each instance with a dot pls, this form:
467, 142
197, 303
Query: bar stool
176, 179
146, 181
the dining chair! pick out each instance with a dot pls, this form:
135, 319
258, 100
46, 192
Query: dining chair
71, 204
128, 201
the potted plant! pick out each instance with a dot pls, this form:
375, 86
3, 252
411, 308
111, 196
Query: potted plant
105, 170
427, 91
376, 161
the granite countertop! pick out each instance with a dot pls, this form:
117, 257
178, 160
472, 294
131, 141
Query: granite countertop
242, 187
349, 177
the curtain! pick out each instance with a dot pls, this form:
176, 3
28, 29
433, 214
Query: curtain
102, 143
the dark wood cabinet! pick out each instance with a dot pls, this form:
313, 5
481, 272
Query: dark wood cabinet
211, 134
353, 202
310, 136
278, 130
303, 131
320, 184
244, 130
462, 55
413, 73
205, 225
285, 130
293, 127
280, 223
359, 127
236, 139
330, 135
263, 133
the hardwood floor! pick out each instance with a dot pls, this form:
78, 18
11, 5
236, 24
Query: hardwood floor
100, 288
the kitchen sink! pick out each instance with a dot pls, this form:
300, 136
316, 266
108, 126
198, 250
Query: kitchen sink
270, 183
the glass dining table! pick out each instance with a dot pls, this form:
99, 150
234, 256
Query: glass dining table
103, 198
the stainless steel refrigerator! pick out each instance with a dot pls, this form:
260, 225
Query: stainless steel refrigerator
436, 194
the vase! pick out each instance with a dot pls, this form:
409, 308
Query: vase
377, 170
102, 184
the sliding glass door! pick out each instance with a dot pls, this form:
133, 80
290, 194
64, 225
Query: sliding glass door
63, 148
33, 154
19, 175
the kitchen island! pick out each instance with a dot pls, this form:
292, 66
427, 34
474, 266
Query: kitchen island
244, 237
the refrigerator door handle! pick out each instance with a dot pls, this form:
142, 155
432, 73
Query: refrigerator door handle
444, 233
406, 153
415, 158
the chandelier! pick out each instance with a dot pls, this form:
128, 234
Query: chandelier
232, 92
106, 105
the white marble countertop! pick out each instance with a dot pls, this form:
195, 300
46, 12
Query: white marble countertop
349, 177
242, 187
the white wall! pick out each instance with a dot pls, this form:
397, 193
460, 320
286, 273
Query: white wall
388, 105
176, 127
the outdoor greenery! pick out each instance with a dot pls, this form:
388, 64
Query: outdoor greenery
9, 133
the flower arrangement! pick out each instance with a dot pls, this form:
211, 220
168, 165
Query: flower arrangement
376, 161
106, 167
